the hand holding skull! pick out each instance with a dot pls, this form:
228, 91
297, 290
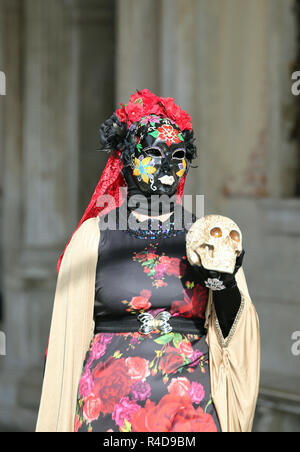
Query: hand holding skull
214, 247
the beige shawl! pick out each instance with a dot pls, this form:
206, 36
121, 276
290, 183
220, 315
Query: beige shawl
234, 364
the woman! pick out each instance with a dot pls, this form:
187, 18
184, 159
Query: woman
138, 341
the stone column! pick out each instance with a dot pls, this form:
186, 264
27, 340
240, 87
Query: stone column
11, 152
96, 95
2, 100
40, 190
228, 64
51, 165
138, 63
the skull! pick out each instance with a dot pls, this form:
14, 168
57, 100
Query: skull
214, 242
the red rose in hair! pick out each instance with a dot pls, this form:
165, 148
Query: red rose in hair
122, 114
157, 110
138, 368
173, 110
112, 382
134, 111
144, 103
171, 361
184, 123
91, 408
149, 99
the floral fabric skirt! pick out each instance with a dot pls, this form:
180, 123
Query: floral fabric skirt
146, 383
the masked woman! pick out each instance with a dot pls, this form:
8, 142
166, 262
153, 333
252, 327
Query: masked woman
138, 340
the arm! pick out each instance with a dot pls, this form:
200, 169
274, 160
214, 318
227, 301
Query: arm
227, 300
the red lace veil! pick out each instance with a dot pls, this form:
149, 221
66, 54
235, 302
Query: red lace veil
141, 104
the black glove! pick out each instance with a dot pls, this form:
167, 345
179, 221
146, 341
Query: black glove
227, 297
218, 281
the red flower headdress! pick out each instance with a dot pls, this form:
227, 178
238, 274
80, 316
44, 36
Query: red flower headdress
142, 103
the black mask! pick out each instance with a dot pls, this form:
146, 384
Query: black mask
159, 158
158, 162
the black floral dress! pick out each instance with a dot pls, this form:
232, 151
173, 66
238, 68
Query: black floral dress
159, 382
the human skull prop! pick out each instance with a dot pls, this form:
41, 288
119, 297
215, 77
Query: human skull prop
214, 242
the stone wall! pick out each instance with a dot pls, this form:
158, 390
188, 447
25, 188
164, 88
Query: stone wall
60, 87
68, 64
229, 63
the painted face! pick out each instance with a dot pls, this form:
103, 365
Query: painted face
159, 160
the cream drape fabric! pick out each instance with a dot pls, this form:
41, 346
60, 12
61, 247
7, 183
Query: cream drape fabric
234, 364
71, 330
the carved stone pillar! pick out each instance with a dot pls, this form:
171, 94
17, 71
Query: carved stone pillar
138, 63
229, 64
51, 165
40, 206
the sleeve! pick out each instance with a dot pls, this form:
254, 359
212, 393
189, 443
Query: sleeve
227, 303
71, 330
235, 363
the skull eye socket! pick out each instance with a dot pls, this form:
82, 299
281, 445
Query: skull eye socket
216, 232
235, 235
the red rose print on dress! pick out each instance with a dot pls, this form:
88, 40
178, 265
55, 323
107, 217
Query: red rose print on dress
138, 368
196, 391
125, 409
77, 424
185, 348
193, 304
171, 361
157, 267
172, 414
86, 383
179, 386
190, 420
92, 408
139, 303
112, 382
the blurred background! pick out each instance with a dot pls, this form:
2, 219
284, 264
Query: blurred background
68, 64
